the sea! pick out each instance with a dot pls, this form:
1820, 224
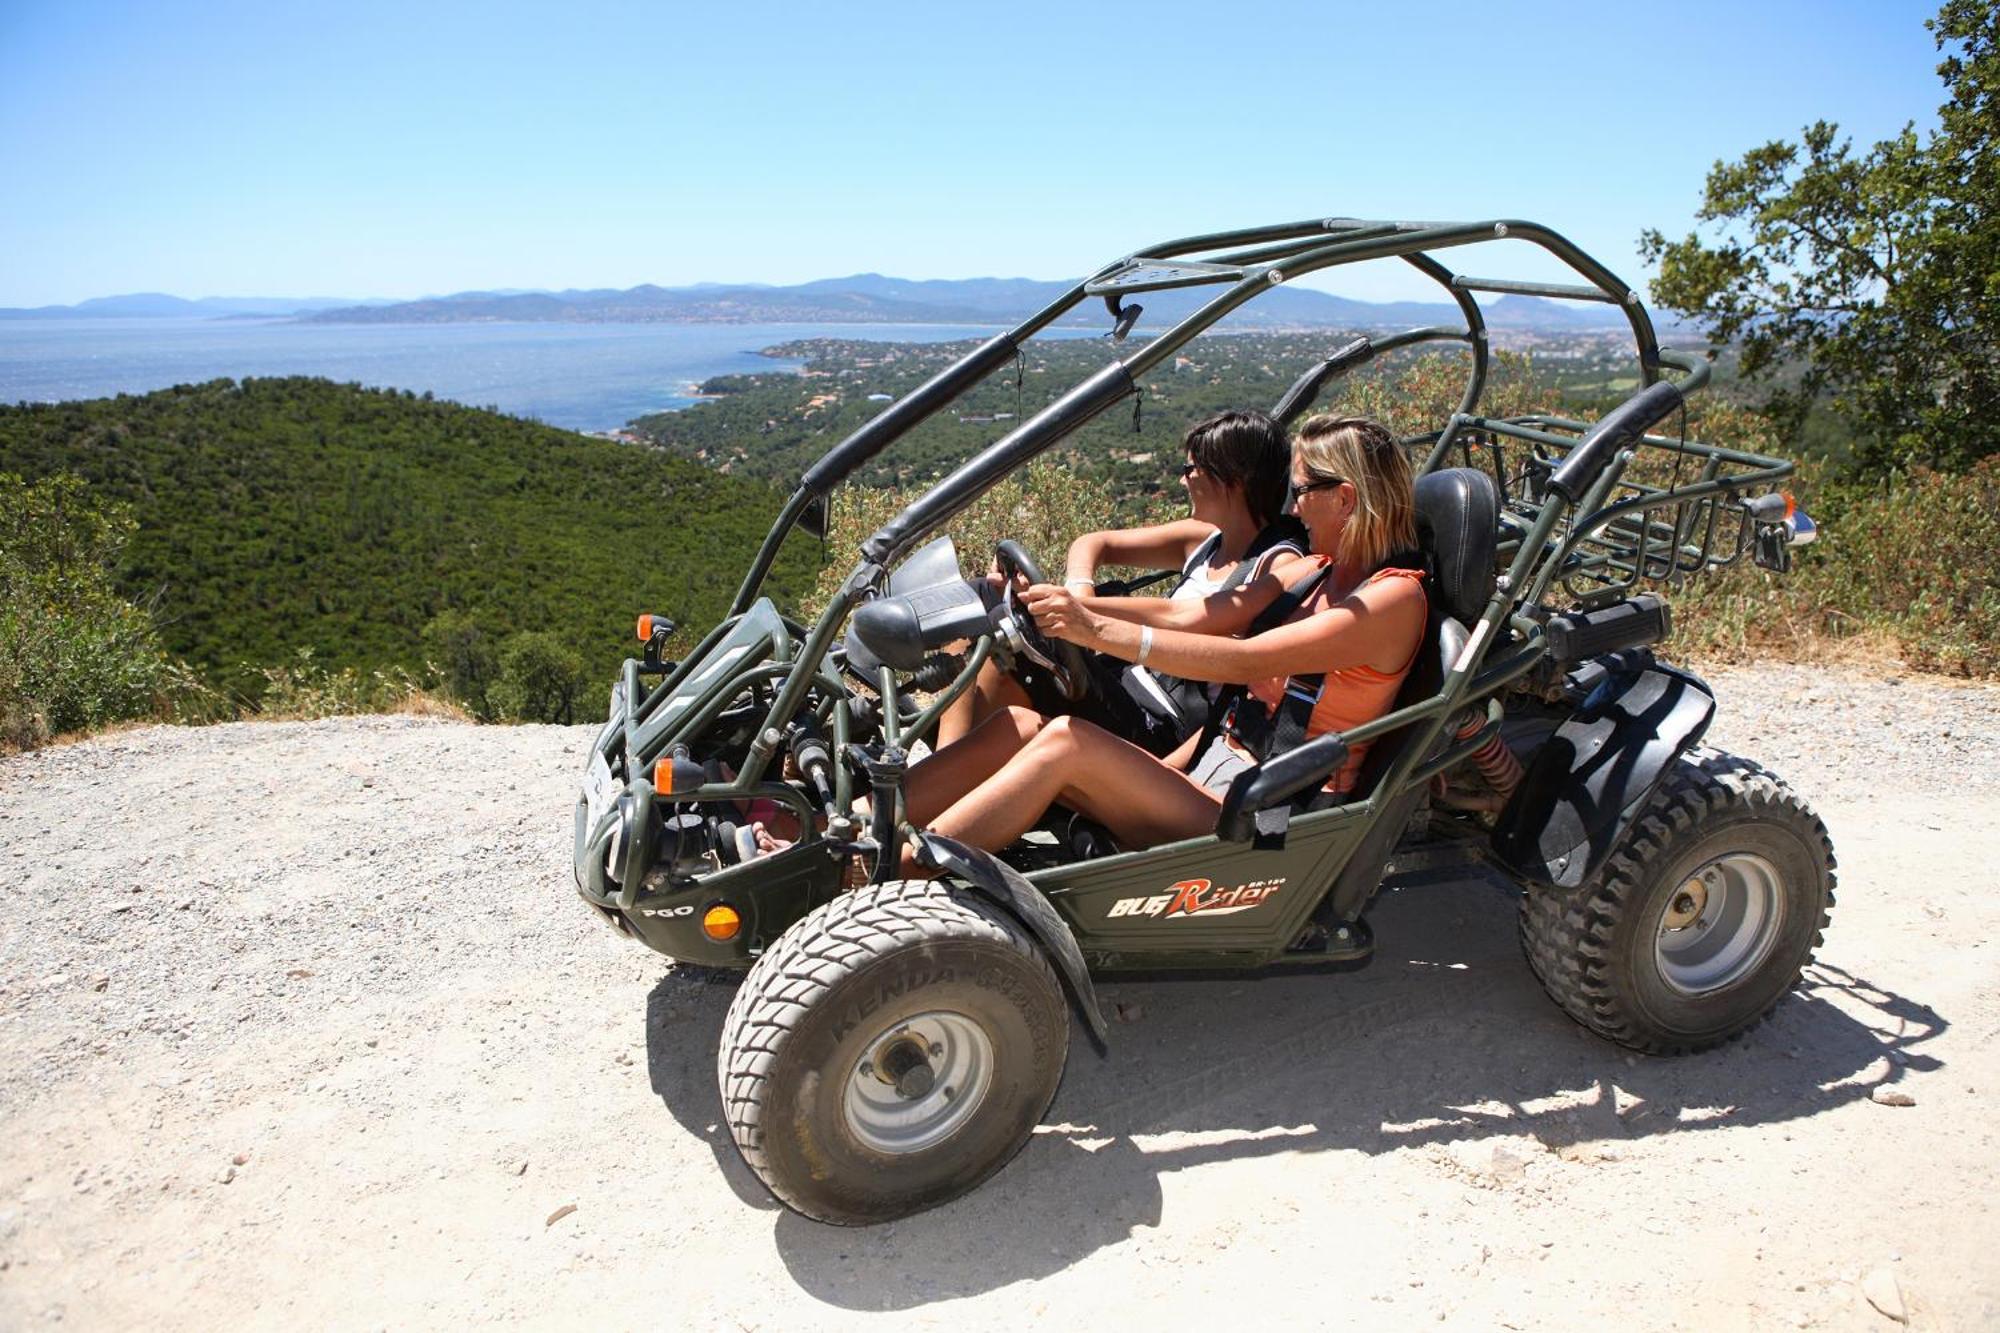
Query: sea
590, 377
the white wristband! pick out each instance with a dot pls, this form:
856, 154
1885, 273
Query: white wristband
1088, 584
1145, 643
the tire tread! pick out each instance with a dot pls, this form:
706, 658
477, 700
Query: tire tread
830, 944
1566, 936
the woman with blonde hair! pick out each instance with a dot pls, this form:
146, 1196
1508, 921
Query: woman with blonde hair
1343, 645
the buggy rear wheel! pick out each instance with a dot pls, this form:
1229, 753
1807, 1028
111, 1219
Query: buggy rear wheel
891, 1051
1701, 919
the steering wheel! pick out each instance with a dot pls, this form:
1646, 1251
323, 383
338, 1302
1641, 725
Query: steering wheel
1063, 659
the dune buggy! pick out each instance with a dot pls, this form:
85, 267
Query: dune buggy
893, 1045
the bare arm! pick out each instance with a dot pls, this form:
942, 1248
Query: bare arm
1223, 613
1228, 612
1161, 546
1378, 627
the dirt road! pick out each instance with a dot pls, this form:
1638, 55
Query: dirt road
301, 1025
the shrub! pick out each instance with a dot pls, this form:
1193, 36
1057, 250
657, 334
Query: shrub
306, 688
1911, 567
466, 660
541, 678
73, 653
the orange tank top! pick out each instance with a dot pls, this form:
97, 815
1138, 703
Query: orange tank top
1348, 696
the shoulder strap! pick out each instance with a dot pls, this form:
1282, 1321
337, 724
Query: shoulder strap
1202, 554
1276, 613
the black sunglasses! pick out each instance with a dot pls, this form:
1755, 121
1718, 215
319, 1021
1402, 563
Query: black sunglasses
1188, 470
1321, 485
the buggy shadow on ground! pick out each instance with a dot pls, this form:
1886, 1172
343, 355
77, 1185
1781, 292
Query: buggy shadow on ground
1444, 1040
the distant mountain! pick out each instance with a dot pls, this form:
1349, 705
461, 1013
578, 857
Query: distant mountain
156, 305
862, 298
871, 298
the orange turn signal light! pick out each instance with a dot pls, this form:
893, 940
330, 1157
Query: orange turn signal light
663, 776
645, 628
721, 922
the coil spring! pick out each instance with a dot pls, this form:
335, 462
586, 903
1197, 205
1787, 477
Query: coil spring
938, 671
1495, 762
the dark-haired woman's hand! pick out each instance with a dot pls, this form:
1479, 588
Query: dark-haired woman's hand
1059, 615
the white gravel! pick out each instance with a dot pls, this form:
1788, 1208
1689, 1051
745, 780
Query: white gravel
303, 1024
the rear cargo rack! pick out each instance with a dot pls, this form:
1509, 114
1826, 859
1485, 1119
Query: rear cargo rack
1677, 509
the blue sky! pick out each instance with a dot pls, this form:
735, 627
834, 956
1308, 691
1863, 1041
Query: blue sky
366, 149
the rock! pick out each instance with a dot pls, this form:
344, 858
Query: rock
1509, 1164
241, 1159
100, 982
371, 1042
1129, 1011
227, 1174
521, 1167
623, 1057
1885, 1294
559, 1214
1884, 1095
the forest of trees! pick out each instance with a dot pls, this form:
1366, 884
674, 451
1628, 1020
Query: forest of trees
279, 514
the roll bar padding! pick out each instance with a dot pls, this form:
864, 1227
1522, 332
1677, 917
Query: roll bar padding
882, 430
1620, 427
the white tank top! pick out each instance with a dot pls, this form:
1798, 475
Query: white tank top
1198, 582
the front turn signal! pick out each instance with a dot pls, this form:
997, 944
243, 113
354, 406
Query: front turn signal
721, 922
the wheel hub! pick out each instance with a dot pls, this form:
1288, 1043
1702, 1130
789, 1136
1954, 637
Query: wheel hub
1720, 923
918, 1082
1689, 901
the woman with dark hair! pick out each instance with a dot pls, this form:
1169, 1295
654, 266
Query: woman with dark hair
1355, 631
1236, 531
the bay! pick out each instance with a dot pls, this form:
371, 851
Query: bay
579, 376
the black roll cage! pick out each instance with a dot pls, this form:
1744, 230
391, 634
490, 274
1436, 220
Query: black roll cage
1248, 261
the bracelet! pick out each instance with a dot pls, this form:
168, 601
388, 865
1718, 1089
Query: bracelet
1145, 643
1080, 583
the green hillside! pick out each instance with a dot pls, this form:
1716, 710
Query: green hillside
280, 513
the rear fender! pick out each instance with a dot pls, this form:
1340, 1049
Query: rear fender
1592, 777
1008, 889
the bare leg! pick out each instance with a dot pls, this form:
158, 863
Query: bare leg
1140, 799
991, 690
956, 769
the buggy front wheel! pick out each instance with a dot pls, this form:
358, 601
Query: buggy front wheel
891, 1051
1700, 920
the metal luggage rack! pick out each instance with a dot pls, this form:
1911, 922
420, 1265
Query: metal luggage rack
1675, 509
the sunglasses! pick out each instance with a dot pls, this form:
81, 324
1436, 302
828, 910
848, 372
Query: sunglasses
1326, 483
1188, 470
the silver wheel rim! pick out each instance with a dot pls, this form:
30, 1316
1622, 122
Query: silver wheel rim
917, 1083
1720, 924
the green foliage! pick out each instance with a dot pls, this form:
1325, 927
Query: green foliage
541, 678
74, 654
275, 514
306, 688
1910, 569
466, 659
1878, 271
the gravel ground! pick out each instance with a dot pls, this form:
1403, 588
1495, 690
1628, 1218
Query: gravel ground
303, 1023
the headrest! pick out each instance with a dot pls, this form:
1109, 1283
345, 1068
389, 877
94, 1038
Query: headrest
1458, 524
